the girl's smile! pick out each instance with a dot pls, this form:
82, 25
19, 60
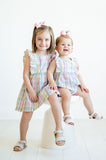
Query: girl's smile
43, 41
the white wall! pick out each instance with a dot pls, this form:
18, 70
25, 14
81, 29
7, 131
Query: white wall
87, 22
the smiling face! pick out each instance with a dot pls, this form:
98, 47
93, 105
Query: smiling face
43, 41
64, 47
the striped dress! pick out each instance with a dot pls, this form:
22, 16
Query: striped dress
38, 80
66, 74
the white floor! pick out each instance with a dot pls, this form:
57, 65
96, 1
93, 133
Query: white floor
88, 143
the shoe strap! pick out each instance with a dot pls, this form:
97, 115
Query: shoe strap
66, 116
22, 141
61, 138
58, 131
96, 117
69, 121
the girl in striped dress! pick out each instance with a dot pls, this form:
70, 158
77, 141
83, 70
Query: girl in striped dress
67, 78
34, 90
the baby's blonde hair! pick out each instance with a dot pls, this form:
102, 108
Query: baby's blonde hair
58, 39
42, 29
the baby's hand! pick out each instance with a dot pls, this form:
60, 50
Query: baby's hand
84, 88
53, 86
33, 97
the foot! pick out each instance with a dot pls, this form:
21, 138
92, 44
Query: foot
59, 138
20, 146
67, 119
95, 116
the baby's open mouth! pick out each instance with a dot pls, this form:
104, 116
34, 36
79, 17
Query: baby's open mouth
65, 49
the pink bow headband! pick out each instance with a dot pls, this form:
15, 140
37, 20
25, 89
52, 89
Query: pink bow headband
64, 33
37, 25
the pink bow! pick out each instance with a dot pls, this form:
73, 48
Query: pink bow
37, 25
63, 33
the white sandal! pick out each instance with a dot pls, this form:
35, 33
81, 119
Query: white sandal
67, 119
21, 145
92, 116
59, 138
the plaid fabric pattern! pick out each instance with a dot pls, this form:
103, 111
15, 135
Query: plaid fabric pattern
38, 80
66, 74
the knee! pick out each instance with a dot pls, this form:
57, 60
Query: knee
53, 97
66, 97
85, 95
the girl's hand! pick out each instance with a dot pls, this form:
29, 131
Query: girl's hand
33, 97
84, 88
53, 86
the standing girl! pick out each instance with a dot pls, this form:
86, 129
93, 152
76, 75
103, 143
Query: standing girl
33, 92
68, 79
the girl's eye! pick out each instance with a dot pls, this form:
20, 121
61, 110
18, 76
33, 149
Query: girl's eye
39, 39
47, 39
69, 45
62, 44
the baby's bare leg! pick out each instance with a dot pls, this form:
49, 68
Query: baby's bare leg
86, 100
66, 100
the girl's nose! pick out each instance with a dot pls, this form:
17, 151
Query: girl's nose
43, 41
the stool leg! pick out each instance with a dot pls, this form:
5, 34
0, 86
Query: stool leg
48, 139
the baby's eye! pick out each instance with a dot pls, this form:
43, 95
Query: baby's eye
39, 39
69, 44
62, 44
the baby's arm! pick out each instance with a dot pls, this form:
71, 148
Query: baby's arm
83, 87
50, 73
26, 71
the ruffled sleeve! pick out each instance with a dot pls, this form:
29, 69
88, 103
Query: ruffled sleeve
53, 55
26, 54
76, 64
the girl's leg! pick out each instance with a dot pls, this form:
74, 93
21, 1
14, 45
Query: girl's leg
66, 100
56, 110
24, 124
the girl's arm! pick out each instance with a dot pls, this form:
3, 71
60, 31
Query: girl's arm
50, 72
26, 71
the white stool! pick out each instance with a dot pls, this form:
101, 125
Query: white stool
48, 138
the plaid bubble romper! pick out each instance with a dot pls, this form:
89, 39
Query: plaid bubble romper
38, 80
66, 74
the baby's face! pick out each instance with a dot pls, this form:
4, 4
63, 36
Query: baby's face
64, 47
